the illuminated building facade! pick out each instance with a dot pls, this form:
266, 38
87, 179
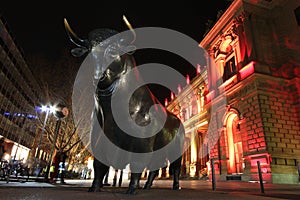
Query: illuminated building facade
19, 93
243, 109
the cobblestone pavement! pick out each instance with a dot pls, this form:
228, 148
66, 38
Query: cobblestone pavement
191, 189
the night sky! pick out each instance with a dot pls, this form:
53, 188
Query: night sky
39, 28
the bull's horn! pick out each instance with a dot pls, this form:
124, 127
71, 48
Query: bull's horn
73, 37
130, 28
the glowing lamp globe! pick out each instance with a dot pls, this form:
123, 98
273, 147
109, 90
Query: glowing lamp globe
61, 111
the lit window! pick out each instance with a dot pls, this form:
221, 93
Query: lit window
229, 69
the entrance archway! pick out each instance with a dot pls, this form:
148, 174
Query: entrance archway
234, 146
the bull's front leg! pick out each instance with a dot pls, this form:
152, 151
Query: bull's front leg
150, 179
134, 183
99, 172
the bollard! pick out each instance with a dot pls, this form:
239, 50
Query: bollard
213, 174
260, 178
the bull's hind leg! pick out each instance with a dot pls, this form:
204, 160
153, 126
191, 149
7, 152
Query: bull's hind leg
134, 183
175, 168
150, 179
99, 172
176, 179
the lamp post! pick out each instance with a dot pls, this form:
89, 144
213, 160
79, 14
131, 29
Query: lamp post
47, 109
60, 113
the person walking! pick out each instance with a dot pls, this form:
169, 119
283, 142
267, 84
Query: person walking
2, 148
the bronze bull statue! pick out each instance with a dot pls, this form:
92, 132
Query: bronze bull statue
113, 62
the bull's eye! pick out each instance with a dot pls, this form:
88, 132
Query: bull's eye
113, 53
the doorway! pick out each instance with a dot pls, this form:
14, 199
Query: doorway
234, 144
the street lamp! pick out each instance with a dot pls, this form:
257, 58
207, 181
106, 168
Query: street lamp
60, 113
47, 110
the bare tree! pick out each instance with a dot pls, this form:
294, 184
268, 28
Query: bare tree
56, 79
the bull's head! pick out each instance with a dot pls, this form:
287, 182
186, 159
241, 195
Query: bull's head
108, 48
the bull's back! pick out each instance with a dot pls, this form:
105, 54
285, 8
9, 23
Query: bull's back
172, 130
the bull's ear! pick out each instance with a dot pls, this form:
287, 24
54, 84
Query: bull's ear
77, 52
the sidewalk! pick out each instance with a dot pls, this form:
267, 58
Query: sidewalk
191, 189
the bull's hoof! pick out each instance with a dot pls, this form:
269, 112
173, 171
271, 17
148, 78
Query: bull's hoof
96, 186
176, 187
131, 191
94, 189
147, 187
